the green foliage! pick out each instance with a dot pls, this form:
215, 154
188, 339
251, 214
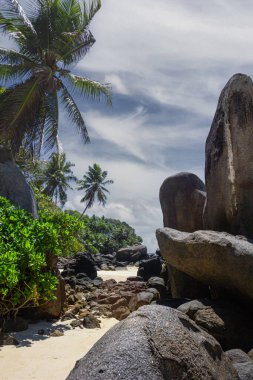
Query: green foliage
50, 37
69, 228
57, 176
24, 277
94, 184
106, 235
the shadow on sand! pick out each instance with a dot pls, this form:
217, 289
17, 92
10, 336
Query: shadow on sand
38, 331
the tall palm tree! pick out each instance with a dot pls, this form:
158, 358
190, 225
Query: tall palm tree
93, 184
57, 176
51, 37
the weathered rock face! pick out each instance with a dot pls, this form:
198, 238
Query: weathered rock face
13, 184
215, 258
182, 198
242, 363
148, 345
229, 323
229, 160
81, 263
132, 254
150, 268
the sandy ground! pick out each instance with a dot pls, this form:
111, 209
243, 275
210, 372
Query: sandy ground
40, 357
118, 275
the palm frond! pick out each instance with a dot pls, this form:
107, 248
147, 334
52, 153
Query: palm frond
89, 88
22, 102
51, 124
13, 57
91, 10
76, 46
15, 23
13, 72
74, 113
15, 13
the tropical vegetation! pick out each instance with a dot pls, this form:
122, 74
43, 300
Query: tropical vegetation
94, 184
26, 279
57, 176
50, 37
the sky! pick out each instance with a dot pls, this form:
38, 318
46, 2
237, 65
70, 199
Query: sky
167, 62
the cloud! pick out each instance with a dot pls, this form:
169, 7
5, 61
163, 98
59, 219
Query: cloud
117, 84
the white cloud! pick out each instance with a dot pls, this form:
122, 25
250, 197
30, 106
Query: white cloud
117, 84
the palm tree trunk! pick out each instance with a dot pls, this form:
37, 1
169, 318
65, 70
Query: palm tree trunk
87, 206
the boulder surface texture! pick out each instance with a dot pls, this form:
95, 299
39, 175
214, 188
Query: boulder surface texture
215, 258
13, 184
155, 343
229, 160
182, 197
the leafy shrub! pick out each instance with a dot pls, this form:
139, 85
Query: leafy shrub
68, 227
24, 278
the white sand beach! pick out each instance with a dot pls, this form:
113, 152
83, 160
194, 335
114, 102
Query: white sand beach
40, 357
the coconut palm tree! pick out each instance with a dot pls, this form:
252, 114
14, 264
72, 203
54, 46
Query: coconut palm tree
50, 37
93, 184
57, 176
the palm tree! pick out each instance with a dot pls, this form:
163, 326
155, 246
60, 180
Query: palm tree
93, 184
51, 37
57, 176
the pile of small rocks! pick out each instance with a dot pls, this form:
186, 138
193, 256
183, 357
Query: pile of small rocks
110, 299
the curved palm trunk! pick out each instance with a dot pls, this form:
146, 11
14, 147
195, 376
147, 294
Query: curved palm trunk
87, 206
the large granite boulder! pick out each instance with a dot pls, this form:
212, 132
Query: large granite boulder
132, 254
80, 263
229, 160
215, 258
155, 343
228, 322
13, 184
151, 267
182, 197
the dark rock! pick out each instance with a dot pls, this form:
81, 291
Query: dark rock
76, 323
124, 254
56, 333
148, 345
157, 283
14, 186
229, 323
82, 263
7, 340
182, 198
131, 254
41, 332
91, 322
135, 278
214, 258
13, 324
150, 268
51, 309
184, 286
229, 205
140, 299
121, 313
238, 356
